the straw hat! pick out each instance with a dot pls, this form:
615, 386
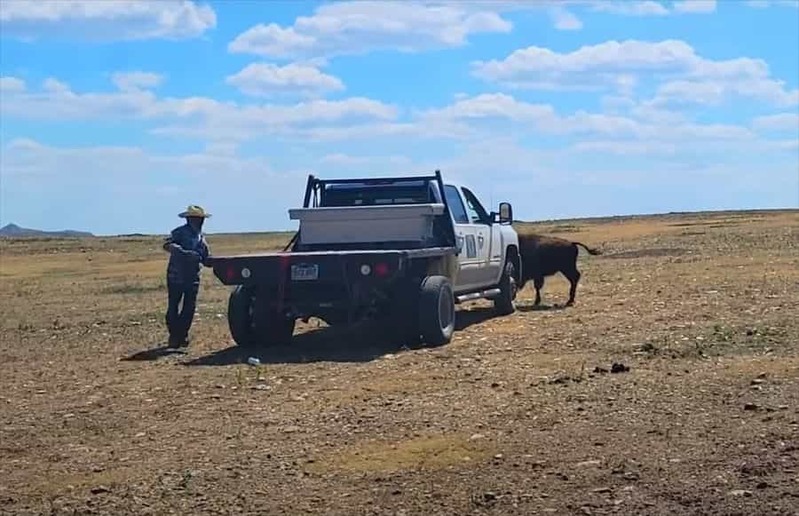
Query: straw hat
194, 211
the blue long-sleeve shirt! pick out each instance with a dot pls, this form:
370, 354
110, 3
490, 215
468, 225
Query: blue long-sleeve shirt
186, 262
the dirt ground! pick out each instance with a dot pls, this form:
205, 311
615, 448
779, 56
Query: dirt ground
523, 414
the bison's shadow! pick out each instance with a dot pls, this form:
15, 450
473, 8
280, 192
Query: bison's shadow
361, 343
541, 307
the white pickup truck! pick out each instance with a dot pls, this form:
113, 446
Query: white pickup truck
403, 249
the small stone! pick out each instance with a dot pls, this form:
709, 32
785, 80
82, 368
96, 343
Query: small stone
588, 463
619, 368
740, 492
758, 381
99, 490
476, 437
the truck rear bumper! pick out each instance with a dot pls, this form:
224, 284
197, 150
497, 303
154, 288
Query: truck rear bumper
332, 283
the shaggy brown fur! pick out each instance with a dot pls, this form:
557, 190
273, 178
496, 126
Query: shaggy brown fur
543, 256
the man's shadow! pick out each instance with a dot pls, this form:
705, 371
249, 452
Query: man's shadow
363, 342
154, 353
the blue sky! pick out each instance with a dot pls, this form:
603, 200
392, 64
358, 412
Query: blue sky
116, 115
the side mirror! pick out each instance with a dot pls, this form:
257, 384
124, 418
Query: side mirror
505, 213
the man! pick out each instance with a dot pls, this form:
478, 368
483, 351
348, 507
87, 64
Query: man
188, 253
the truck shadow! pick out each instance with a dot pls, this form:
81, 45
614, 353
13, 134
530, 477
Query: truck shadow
361, 343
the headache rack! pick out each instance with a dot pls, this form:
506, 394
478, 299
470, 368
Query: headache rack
409, 190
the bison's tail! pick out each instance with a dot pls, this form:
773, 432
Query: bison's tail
589, 249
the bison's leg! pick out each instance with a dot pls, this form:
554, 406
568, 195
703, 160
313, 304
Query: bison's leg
573, 275
538, 283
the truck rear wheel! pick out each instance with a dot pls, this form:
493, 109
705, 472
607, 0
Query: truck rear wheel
270, 327
240, 316
403, 315
436, 310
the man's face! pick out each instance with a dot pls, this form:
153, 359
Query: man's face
196, 222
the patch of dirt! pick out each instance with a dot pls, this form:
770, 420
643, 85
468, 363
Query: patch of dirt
669, 388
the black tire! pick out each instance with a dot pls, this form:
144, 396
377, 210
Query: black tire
403, 316
436, 310
508, 287
271, 328
240, 317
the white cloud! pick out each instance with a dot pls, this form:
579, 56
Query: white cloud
467, 118
265, 79
695, 6
362, 26
106, 20
630, 8
778, 122
611, 57
350, 163
762, 4
715, 92
11, 85
231, 186
615, 64
198, 117
138, 80
355, 27
526, 117
565, 20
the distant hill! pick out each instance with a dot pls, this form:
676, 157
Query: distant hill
14, 231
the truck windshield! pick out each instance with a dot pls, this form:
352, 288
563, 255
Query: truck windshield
416, 192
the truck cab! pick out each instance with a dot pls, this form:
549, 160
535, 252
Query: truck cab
483, 239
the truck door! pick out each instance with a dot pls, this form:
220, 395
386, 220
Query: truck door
489, 249
466, 235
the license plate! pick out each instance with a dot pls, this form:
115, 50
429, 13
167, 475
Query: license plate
304, 272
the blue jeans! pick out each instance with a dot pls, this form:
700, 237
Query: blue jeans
178, 322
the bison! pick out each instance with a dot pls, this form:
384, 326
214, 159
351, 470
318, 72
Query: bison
543, 256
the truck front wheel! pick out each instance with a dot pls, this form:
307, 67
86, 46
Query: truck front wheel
436, 310
508, 287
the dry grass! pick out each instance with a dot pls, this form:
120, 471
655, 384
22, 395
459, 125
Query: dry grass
518, 415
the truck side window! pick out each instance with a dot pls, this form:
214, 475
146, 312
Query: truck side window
476, 210
456, 205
